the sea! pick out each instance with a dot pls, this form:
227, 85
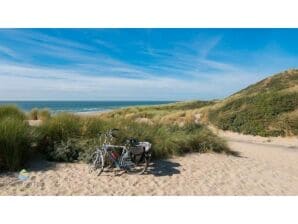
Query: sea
79, 106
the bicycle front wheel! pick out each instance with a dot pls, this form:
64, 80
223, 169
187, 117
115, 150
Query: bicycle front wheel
97, 162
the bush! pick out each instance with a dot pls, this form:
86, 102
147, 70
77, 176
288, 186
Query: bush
11, 111
64, 151
14, 143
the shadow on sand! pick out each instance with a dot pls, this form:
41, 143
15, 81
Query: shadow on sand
235, 153
163, 168
38, 163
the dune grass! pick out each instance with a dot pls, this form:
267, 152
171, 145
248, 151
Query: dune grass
69, 137
14, 143
39, 114
11, 111
33, 114
68, 134
175, 113
267, 108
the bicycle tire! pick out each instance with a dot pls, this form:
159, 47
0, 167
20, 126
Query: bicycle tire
97, 163
141, 170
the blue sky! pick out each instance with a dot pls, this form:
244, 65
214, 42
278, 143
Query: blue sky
139, 64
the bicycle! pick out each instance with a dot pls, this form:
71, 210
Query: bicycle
133, 157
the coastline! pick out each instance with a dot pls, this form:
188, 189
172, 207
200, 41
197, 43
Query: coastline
92, 113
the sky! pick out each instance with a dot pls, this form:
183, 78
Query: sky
139, 64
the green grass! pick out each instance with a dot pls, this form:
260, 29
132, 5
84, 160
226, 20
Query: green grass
33, 114
39, 114
14, 143
44, 114
68, 137
266, 108
174, 113
11, 111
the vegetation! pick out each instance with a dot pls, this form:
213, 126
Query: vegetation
68, 137
39, 114
267, 108
14, 142
176, 113
33, 114
44, 114
11, 111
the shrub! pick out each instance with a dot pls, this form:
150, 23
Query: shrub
14, 143
64, 151
11, 111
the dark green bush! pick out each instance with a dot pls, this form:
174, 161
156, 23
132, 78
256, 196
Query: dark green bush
64, 151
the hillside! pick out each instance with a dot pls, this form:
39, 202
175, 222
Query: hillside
267, 108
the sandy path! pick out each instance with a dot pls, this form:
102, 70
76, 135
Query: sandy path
264, 168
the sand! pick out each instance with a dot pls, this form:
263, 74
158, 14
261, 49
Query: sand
263, 168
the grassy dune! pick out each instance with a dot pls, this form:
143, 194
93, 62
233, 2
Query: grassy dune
267, 108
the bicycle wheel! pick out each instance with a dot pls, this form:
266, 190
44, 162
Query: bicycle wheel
97, 162
138, 168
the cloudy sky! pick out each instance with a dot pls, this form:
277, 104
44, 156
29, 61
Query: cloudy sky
139, 64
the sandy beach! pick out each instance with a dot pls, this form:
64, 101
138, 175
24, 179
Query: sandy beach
263, 168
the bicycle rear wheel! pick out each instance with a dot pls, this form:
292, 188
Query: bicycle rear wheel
138, 168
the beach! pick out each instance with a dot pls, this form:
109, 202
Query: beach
265, 166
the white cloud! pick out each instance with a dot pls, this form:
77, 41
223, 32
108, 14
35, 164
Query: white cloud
7, 51
27, 82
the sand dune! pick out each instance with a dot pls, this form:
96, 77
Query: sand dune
263, 168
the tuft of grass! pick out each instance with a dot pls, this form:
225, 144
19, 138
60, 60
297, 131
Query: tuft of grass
39, 114
57, 130
61, 127
44, 114
11, 111
14, 143
33, 114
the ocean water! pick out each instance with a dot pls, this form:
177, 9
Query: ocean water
79, 106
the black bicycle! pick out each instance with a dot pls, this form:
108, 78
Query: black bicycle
133, 157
